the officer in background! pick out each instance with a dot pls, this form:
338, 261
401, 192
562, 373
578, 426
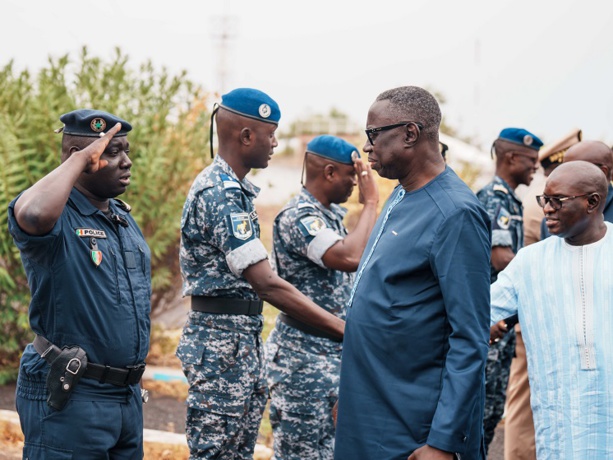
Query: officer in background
312, 251
519, 441
226, 272
516, 153
88, 268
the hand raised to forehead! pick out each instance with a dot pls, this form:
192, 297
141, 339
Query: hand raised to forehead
94, 151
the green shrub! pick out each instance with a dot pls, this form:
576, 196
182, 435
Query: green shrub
168, 147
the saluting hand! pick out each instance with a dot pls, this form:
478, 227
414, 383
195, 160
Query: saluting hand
94, 151
367, 184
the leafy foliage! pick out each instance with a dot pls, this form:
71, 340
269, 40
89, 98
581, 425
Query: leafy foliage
168, 148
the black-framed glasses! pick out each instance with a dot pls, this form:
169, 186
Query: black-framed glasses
372, 133
556, 201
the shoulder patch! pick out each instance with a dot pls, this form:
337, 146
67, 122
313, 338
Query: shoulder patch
500, 188
241, 225
503, 219
312, 224
229, 182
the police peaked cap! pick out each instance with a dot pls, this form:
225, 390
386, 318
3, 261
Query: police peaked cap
252, 103
333, 148
92, 123
521, 137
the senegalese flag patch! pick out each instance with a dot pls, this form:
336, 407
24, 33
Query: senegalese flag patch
96, 257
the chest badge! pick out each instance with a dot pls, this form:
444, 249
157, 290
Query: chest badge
241, 226
95, 254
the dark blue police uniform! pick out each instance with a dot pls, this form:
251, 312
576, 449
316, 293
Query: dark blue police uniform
90, 284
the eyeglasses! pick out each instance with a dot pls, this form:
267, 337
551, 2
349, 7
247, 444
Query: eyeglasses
556, 202
372, 133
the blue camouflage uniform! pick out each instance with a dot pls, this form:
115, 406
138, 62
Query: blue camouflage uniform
303, 370
505, 211
90, 280
221, 354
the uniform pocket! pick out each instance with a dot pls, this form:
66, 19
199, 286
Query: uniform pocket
214, 351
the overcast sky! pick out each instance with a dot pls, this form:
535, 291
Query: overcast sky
546, 66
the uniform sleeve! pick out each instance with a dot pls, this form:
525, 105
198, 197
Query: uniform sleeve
306, 234
460, 259
37, 248
220, 219
500, 218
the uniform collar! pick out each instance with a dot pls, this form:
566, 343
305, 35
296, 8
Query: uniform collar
335, 210
86, 208
246, 185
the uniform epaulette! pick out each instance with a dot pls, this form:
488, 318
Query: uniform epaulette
123, 205
500, 188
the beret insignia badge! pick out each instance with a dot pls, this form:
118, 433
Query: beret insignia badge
98, 125
264, 110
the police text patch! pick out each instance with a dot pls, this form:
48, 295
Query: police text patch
90, 232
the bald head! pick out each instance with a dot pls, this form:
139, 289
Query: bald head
575, 195
577, 178
595, 152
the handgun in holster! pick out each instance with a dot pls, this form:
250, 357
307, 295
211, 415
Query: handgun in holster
65, 372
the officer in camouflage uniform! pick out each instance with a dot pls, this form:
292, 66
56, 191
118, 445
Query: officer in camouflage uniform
226, 272
312, 250
516, 162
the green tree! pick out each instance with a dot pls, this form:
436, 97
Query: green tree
168, 148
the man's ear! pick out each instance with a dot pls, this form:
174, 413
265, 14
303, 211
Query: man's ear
329, 171
593, 201
68, 153
246, 136
411, 134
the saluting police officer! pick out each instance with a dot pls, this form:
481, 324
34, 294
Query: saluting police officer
88, 268
226, 272
313, 251
516, 153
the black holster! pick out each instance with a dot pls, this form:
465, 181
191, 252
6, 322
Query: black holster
65, 372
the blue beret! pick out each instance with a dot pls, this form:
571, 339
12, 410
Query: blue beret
92, 123
252, 103
522, 137
334, 148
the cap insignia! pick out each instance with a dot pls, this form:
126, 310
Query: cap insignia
98, 125
528, 139
264, 110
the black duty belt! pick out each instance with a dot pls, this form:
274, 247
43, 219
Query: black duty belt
293, 322
119, 376
226, 305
